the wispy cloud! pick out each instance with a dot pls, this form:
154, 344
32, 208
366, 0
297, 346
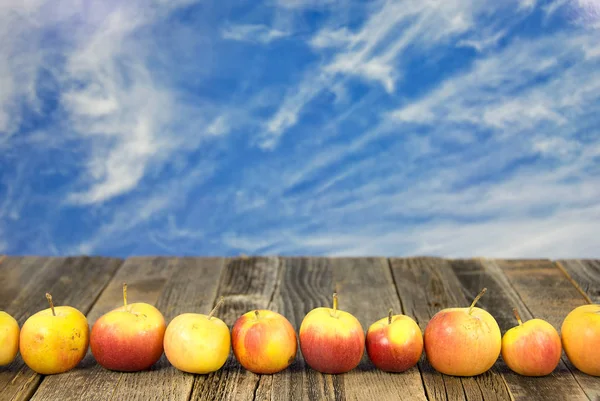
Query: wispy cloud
390, 128
373, 52
256, 33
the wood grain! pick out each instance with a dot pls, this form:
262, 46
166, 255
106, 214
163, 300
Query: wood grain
499, 300
308, 283
174, 286
425, 286
585, 275
71, 281
247, 283
548, 295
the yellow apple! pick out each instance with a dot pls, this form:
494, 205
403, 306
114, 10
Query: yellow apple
197, 343
331, 340
581, 338
128, 338
462, 341
54, 340
264, 341
9, 338
394, 343
532, 348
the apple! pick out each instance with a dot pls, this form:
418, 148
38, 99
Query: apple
128, 338
395, 343
331, 340
264, 341
54, 340
532, 348
581, 338
462, 341
197, 343
9, 338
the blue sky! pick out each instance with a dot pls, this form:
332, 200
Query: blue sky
300, 127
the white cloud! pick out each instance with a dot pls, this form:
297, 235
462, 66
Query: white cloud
373, 52
256, 33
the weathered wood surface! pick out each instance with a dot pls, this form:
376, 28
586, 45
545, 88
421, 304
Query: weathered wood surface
367, 288
549, 295
585, 275
425, 286
174, 286
499, 300
25, 280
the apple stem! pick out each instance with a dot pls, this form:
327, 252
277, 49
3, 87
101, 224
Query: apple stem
477, 299
335, 304
256, 313
49, 298
390, 313
219, 303
518, 316
124, 294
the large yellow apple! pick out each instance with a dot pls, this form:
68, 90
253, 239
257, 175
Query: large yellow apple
581, 338
532, 348
331, 340
264, 341
9, 338
394, 343
54, 340
197, 343
462, 341
128, 338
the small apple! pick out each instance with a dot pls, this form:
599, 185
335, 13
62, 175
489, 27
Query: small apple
462, 341
532, 348
128, 338
581, 338
264, 341
197, 343
331, 340
9, 338
54, 340
395, 343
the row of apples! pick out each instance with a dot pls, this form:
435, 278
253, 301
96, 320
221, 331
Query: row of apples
462, 341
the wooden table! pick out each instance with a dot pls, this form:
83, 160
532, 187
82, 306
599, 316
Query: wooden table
367, 287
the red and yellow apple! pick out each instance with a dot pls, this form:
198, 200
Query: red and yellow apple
9, 338
331, 340
197, 343
581, 338
462, 341
54, 340
128, 338
532, 348
394, 343
264, 341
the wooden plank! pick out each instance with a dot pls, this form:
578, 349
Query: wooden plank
247, 283
499, 300
174, 286
425, 286
549, 295
370, 303
71, 281
584, 275
308, 283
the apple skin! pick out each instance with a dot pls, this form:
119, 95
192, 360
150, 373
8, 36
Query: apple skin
54, 344
331, 343
196, 344
395, 346
461, 344
581, 338
128, 338
9, 338
264, 343
532, 348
